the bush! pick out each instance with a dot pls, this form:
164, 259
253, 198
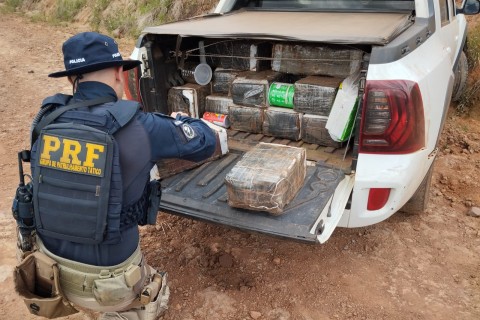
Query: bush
66, 10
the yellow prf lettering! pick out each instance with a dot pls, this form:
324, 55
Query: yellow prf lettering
91, 155
50, 144
71, 149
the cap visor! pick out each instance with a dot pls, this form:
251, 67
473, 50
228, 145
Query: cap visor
127, 65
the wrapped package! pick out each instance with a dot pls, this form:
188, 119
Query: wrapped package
248, 119
282, 123
342, 117
251, 88
267, 178
169, 167
222, 80
218, 104
315, 95
189, 98
316, 60
281, 94
238, 54
314, 131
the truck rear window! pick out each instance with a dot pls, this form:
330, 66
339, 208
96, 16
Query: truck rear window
328, 5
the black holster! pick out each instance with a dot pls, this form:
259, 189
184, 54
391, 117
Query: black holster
154, 196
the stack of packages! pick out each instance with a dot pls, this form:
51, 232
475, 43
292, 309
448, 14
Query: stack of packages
285, 91
239, 82
323, 69
269, 176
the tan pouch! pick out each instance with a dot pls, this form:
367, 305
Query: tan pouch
36, 280
112, 289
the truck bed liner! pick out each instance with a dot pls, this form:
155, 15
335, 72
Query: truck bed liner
201, 193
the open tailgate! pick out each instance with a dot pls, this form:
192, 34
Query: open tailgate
312, 216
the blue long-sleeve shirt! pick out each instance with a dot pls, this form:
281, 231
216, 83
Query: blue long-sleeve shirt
147, 138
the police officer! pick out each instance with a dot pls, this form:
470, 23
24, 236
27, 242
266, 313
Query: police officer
110, 276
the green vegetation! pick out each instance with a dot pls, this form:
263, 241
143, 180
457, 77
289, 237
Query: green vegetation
12, 5
470, 97
123, 22
159, 9
125, 18
472, 92
473, 46
98, 8
66, 10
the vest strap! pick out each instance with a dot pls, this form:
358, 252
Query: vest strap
57, 113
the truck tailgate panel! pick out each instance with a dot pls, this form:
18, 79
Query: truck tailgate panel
201, 193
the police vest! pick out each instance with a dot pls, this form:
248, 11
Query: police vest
77, 181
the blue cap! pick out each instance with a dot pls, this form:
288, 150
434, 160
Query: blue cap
90, 51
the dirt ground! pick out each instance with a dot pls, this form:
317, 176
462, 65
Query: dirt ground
408, 267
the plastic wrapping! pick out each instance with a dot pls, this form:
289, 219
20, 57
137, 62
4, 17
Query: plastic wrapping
222, 80
342, 116
282, 123
218, 119
251, 88
189, 98
314, 131
238, 54
170, 167
281, 94
315, 95
267, 178
218, 104
316, 60
248, 119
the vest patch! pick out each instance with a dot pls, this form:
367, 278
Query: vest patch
73, 155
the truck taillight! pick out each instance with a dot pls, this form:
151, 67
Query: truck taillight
392, 118
131, 84
377, 198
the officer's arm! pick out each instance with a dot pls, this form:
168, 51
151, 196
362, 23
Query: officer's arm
181, 137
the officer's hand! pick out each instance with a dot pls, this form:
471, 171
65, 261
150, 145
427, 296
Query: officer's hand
174, 114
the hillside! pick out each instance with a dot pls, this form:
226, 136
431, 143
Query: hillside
117, 17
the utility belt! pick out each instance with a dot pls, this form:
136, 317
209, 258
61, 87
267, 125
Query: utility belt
47, 283
122, 281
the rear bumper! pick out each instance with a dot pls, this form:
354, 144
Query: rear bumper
402, 173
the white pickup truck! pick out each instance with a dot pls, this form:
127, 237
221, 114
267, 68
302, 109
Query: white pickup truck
412, 65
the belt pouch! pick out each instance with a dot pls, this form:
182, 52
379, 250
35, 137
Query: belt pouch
36, 280
112, 289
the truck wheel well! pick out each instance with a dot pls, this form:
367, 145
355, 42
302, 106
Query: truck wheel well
419, 201
461, 75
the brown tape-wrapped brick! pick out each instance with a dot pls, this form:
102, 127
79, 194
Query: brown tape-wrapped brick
248, 119
315, 95
267, 178
282, 123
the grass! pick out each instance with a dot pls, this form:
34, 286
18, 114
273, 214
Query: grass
473, 46
158, 9
12, 5
122, 21
471, 96
66, 10
97, 13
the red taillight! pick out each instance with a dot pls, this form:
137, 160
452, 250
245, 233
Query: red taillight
377, 198
131, 81
392, 118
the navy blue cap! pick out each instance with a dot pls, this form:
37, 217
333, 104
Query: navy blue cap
90, 51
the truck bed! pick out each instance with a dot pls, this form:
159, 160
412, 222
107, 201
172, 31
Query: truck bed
200, 193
